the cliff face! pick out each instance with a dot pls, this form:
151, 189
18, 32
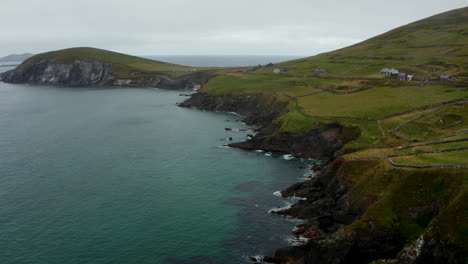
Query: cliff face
354, 210
48, 72
92, 73
344, 226
249, 106
261, 111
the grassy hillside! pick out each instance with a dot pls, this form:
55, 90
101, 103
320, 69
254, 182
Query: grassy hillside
412, 151
122, 65
427, 48
353, 92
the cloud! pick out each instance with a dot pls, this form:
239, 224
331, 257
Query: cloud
143, 27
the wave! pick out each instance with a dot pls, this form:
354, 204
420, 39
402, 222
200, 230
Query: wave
297, 240
287, 205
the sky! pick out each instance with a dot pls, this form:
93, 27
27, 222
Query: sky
204, 27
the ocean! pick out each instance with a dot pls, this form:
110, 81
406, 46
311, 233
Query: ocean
222, 60
123, 175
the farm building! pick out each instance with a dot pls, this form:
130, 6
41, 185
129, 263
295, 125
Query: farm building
320, 71
445, 78
389, 71
402, 76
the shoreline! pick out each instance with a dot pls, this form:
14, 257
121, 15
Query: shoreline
337, 227
301, 233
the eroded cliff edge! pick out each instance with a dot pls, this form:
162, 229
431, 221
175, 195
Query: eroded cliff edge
53, 69
261, 111
354, 210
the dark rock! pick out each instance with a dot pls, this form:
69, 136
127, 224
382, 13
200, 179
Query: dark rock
316, 167
270, 259
94, 73
299, 230
317, 143
249, 106
327, 206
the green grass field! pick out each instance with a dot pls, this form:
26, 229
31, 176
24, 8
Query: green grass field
377, 102
354, 94
385, 118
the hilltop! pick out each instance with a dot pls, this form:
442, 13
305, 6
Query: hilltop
97, 67
427, 48
396, 185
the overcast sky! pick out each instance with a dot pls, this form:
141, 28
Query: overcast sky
155, 27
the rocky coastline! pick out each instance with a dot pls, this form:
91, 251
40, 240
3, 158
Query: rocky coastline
323, 204
47, 71
318, 144
326, 203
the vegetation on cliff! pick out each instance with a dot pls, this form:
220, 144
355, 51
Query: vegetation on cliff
96, 67
406, 168
122, 65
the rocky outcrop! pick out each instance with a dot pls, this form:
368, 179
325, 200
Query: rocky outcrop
258, 110
77, 73
93, 73
249, 106
317, 143
337, 228
326, 206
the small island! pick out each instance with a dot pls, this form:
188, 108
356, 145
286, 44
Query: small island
16, 57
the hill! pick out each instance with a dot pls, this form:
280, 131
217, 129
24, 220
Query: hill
396, 186
90, 66
427, 48
16, 57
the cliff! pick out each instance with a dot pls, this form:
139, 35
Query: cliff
363, 211
93, 67
262, 110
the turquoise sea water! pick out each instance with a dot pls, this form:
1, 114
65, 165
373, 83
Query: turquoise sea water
123, 175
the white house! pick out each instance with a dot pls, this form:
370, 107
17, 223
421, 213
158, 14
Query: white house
389, 71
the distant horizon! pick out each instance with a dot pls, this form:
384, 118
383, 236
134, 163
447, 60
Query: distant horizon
207, 54
175, 55
208, 60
